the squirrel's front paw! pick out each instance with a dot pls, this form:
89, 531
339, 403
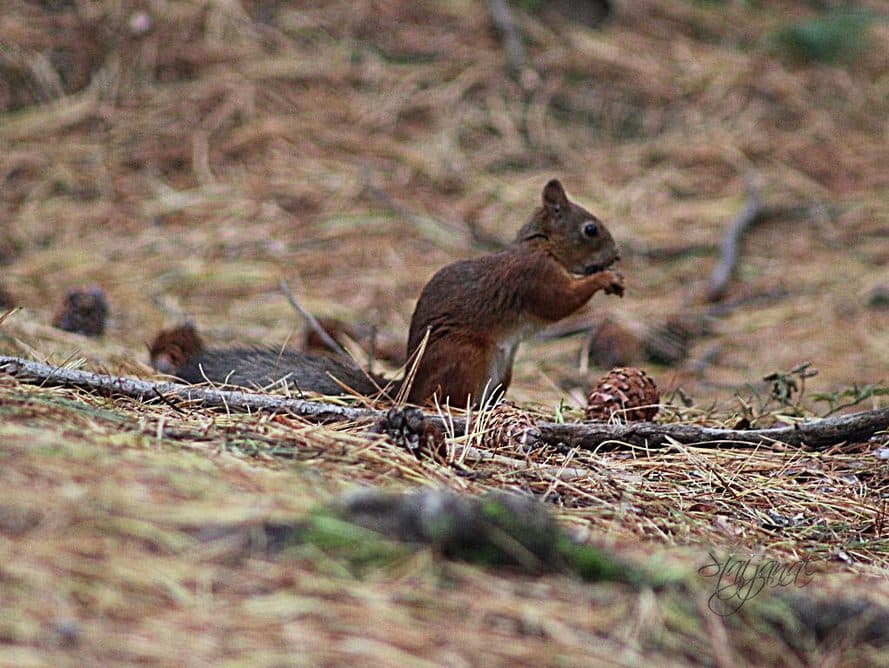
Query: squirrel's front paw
614, 283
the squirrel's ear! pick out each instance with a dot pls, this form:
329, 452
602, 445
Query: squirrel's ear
554, 198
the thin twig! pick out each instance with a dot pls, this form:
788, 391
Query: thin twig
512, 40
728, 260
168, 402
816, 434
754, 212
312, 322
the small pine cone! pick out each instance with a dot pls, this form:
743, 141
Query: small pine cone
408, 428
508, 426
627, 393
83, 312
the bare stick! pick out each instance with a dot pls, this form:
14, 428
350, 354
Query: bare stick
311, 321
512, 40
816, 434
728, 260
147, 391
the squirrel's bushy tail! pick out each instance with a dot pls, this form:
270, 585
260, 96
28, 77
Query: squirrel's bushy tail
180, 352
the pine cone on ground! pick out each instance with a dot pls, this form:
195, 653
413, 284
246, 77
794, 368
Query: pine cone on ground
509, 427
83, 311
627, 393
408, 428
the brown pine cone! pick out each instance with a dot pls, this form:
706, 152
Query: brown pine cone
626, 393
410, 429
83, 312
508, 426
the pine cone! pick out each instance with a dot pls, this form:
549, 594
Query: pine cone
508, 426
83, 312
626, 393
410, 429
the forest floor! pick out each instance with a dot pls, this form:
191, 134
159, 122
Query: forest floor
186, 157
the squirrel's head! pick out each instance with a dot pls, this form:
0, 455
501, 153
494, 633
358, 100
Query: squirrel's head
575, 237
173, 347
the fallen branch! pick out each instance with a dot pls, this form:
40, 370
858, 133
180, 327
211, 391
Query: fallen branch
237, 401
728, 260
312, 322
816, 434
512, 40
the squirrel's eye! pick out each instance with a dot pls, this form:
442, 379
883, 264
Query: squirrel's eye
590, 229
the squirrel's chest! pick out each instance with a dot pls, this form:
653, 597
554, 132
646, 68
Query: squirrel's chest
500, 369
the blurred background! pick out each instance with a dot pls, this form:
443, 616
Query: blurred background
184, 157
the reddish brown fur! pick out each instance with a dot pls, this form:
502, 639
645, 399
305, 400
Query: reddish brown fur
477, 311
173, 347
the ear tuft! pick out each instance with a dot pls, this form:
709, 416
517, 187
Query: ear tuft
554, 197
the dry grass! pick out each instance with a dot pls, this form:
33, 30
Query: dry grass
189, 168
112, 563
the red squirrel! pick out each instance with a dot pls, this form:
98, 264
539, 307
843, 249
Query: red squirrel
476, 313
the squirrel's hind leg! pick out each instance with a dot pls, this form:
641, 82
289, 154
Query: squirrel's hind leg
454, 370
